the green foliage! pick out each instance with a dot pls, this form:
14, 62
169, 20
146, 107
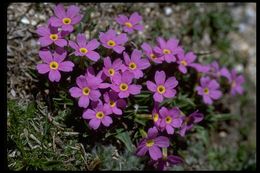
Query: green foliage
111, 159
35, 143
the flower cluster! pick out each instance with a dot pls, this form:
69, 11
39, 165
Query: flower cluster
106, 89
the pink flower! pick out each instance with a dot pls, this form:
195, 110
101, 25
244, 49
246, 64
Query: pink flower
111, 41
168, 50
209, 90
236, 81
216, 72
110, 69
53, 63
98, 115
87, 89
162, 88
155, 115
152, 144
135, 64
189, 121
49, 35
151, 54
114, 102
185, 60
122, 85
130, 24
65, 19
170, 119
84, 48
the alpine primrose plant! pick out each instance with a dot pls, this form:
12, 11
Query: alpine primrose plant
116, 75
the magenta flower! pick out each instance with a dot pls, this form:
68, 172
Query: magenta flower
87, 90
84, 48
53, 64
122, 85
152, 144
170, 119
189, 121
200, 67
168, 50
130, 24
236, 81
155, 115
162, 163
110, 69
135, 64
49, 35
151, 54
208, 89
216, 72
162, 88
111, 41
185, 60
114, 102
65, 19
98, 115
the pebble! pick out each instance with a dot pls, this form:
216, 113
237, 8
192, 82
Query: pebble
25, 21
222, 134
168, 11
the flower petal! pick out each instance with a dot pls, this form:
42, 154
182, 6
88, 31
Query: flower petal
72, 11
162, 141
94, 56
45, 41
157, 97
89, 114
75, 92
93, 44
59, 11
151, 86
107, 121
43, 68
94, 123
83, 101
160, 77
54, 75
61, 42
155, 152
135, 18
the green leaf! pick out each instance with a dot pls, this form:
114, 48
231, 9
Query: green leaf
125, 138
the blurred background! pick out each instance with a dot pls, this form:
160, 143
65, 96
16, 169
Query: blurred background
39, 139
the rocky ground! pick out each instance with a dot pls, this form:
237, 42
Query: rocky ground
229, 36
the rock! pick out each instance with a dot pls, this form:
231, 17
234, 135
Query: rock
24, 20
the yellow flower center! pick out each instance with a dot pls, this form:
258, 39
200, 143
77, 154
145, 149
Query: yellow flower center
100, 115
149, 142
155, 117
111, 43
132, 66
152, 56
161, 89
123, 86
111, 71
112, 103
54, 65
206, 90
128, 24
66, 20
54, 37
183, 62
168, 119
83, 50
166, 51
86, 91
